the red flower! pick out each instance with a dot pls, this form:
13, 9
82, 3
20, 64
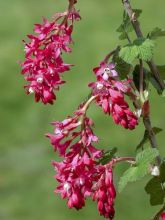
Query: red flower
105, 194
110, 97
43, 63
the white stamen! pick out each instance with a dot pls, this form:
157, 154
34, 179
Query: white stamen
155, 171
31, 90
99, 86
58, 131
82, 181
51, 71
105, 76
67, 186
39, 79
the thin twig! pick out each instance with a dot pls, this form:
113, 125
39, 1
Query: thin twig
139, 34
153, 68
152, 137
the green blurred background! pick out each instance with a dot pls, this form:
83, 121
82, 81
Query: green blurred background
26, 174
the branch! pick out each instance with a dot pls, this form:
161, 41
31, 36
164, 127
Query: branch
84, 110
141, 80
120, 159
152, 138
139, 34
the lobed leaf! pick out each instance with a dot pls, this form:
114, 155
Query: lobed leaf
108, 155
156, 33
126, 25
141, 48
155, 187
134, 173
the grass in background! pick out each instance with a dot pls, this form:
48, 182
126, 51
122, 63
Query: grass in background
26, 174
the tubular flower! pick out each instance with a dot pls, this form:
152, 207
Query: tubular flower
79, 174
43, 63
105, 194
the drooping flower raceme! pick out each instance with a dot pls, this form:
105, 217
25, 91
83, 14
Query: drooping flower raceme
105, 193
79, 174
43, 65
110, 95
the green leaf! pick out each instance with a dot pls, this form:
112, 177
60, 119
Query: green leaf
155, 190
134, 173
154, 187
156, 32
145, 138
146, 156
121, 67
141, 48
126, 25
108, 155
129, 53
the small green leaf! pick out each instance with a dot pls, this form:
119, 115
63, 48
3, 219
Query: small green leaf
108, 155
146, 156
121, 67
145, 48
156, 32
129, 53
126, 25
155, 190
155, 187
141, 48
134, 173
145, 138
127, 177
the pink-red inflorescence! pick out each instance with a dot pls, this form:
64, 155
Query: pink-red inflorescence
43, 63
110, 93
79, 174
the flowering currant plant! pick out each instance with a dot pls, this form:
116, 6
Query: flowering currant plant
125, 73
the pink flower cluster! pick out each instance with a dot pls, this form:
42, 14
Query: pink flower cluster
110, 93
79, 174
43, 63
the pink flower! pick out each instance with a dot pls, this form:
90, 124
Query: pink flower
43, 65
105, 70
105, 194
66, 132
110, 97
75, 177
